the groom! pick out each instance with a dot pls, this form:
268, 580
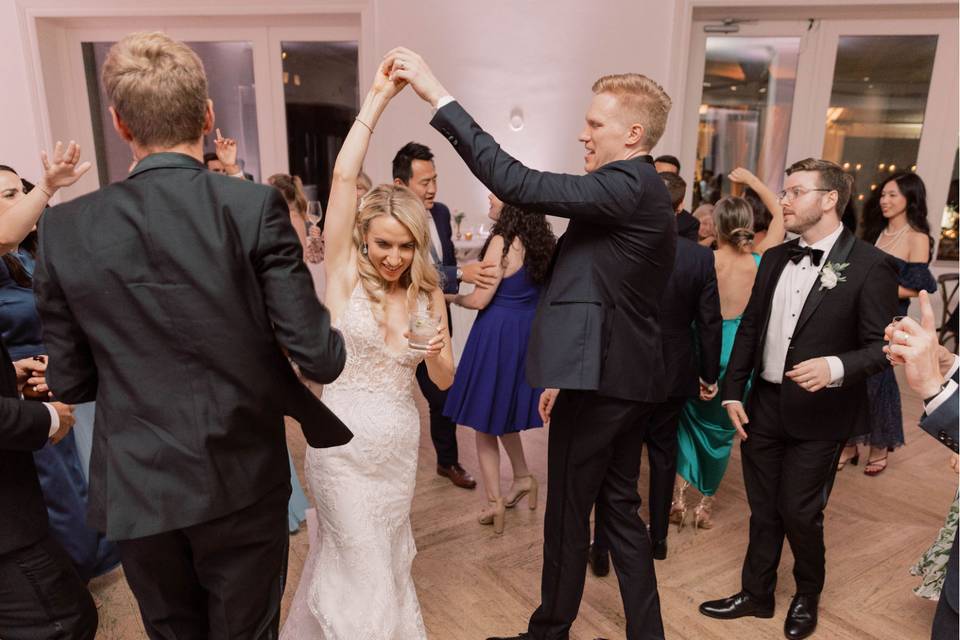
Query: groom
170, 299
596, 327
810, 336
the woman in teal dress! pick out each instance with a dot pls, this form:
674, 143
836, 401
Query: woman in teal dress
705, 435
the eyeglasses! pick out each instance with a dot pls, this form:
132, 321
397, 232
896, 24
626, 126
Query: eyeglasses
796, 192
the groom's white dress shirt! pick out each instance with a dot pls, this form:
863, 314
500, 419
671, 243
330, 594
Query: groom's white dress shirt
795, 284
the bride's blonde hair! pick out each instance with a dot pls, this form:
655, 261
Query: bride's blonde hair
404, 206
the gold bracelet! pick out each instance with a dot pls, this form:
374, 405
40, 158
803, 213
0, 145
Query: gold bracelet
364, 124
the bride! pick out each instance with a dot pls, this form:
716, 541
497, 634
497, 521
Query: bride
357, 583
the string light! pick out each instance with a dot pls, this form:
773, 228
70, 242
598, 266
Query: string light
892, 168
859, 166
881, 165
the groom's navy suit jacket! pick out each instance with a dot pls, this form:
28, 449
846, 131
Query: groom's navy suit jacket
846, 321
170, 299
598, 321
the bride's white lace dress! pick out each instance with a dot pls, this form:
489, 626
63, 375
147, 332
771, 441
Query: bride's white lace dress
356, 583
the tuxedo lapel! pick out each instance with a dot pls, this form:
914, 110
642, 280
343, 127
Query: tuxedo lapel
838, 254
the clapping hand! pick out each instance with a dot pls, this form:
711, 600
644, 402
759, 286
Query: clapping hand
403, 64
62, 170
227, 152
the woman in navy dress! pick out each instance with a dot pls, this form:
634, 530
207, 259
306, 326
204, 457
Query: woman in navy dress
59, 467
896, 222
490, 393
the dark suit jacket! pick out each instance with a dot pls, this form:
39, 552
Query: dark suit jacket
847, 321
687, 226
598, 321
24, 428
690, 321
448, 265
169, 298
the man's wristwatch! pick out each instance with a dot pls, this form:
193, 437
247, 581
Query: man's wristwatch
459, 274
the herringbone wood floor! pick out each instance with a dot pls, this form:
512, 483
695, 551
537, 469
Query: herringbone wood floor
472, 583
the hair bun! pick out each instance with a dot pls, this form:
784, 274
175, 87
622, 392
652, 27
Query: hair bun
742, 238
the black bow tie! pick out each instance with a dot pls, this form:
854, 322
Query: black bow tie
797, 252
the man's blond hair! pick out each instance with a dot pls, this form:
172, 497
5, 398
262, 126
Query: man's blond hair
643, 101
158, 88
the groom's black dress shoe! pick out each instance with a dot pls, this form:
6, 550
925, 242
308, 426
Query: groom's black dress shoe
457, 475
660, 550
599, 561
801, 619
737, 606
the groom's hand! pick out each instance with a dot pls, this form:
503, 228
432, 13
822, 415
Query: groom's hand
406, 65
547, 399
812, 375
738, 417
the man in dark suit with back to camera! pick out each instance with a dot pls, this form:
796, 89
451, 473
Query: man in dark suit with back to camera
172, 298
811, 335
692, 330
597, 325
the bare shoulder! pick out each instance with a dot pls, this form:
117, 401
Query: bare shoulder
919, 244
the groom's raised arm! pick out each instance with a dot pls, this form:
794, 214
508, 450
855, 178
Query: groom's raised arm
604, 196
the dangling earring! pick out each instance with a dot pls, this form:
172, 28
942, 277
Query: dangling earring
363, 249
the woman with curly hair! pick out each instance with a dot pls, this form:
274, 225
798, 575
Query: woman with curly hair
490, 393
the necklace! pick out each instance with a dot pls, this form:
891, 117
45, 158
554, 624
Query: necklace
896, 237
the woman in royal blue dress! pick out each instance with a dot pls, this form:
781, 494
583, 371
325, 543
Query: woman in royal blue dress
896, 222
490, 393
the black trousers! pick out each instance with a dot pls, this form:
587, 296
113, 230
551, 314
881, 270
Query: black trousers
788, 482
42, 596
661, 441
443, 431
219, 579
594, 456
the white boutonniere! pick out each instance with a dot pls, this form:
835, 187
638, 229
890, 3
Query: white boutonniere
831, 274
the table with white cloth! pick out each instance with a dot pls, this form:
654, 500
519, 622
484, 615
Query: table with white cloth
468, 250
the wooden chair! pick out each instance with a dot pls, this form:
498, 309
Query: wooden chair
948, 283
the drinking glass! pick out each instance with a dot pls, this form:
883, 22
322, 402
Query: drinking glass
423, 327
314, 212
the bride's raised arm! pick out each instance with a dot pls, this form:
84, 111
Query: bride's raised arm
342, 207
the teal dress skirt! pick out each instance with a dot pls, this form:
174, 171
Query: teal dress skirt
705, 434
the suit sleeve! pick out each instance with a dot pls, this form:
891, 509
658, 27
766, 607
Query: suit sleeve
448, 277
301, 324
877, 305
944, 423
604, 196
709, 323
24, 425
744, 354
72, 371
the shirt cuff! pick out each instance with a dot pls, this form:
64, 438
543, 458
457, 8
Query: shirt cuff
238, 174
836, 371
54, 419
726, 402
953, 367
442, 102
940, 398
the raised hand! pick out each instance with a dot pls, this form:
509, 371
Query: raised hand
227, 152
743, 176
386, 85
403, 64
63, 169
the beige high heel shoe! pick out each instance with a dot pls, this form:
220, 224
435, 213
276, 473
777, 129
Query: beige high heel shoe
703, 514
531, 488
494, 514
678, 508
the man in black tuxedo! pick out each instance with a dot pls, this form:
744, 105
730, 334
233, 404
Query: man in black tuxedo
173, 299
810, 336
597, 325
414, 168
687, 226
41, 594
933, 373
692, 330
